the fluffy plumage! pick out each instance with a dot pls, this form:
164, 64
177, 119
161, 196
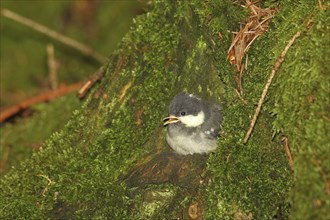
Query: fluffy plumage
193, 125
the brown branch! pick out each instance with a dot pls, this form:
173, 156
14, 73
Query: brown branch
44, 97
269, 81
53, 34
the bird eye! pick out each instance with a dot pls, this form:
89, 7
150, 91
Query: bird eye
182, 113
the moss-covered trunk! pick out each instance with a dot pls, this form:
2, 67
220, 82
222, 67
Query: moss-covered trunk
109, 160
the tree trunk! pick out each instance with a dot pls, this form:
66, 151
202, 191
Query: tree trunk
112, 161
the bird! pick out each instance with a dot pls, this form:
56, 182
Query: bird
193, 125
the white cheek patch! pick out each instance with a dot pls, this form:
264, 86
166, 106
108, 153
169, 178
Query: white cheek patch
193, 120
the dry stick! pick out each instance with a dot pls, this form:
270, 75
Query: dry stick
53, 34
288, 151
96, 76
44, 97
320, 5
269, 81
248, 46
52, 67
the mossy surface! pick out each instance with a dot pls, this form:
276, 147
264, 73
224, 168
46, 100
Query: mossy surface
302, 108
23, 136
175, 47
299, 104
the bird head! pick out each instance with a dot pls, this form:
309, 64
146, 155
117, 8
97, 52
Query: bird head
186, 109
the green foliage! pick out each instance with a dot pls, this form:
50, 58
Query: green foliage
20, 138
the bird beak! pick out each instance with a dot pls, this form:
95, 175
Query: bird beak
170, 120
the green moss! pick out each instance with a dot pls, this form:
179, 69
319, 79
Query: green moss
303, 73
220, 17
22, 137
252, 179
172, 49
302, 108
154, 201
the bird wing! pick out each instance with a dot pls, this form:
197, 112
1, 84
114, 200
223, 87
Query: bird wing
211, 126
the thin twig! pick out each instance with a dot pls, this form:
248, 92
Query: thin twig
250, 43
269, 81
53, 34
321, 5
246, 61
240, 97
52, 67
96, 76
240, 86
288, 151
263, 21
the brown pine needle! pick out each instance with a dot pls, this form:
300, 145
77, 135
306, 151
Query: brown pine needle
269, 81
53, 34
